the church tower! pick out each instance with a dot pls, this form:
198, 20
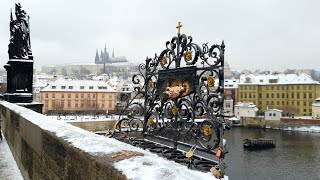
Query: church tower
97, 59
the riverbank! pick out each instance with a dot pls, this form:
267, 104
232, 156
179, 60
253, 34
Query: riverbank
287, 124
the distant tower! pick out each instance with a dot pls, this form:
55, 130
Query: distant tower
101, 57
97, 59
113, 53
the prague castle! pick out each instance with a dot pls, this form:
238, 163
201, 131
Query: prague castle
106, 58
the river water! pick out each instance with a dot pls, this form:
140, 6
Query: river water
296, 156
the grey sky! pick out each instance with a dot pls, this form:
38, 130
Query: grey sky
259, 34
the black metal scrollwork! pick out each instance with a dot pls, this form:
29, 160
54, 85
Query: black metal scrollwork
183, 95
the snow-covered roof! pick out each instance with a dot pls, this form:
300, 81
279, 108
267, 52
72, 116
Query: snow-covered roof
78, 85
249, 105
278, 110
231, 83
264, 79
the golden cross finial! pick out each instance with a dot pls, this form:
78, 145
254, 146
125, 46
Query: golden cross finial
178, 27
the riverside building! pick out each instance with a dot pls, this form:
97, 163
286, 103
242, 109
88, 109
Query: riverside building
293, 94
75, 96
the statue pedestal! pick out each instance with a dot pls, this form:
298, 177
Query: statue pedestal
19, 81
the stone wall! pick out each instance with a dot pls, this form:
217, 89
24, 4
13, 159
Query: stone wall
95, 125
40, 154
46, 148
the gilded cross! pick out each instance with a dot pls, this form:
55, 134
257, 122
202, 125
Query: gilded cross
178, 27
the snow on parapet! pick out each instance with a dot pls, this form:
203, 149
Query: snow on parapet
147, 167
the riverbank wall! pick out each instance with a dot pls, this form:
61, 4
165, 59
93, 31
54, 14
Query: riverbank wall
284, 123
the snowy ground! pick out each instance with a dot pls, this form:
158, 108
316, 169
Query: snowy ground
315, 129
8, 167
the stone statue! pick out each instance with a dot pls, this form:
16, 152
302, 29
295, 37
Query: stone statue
177, 89
19, 46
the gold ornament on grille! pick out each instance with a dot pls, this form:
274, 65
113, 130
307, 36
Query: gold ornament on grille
188, 56
210, 81
151, 121
150, 84
174, 110
164, 60
207, 130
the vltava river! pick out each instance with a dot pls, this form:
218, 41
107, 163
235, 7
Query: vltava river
296, 156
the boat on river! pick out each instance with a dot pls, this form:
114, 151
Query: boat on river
259, 143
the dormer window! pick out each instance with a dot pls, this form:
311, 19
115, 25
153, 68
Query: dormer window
70, 87
81, 87
248, 80
53, 87
90, 87
63, 87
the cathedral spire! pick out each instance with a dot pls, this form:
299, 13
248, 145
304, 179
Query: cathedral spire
113, 53
97, 59
105, 47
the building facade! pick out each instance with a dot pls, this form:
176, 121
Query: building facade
74, 96
245, 110
291, 93
316, 109
273, 114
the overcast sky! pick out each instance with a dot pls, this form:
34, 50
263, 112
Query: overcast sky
259, 34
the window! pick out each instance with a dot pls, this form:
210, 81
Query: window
53, 104
47, 96
81, 87
272, 87
298, 95
272, 96
227, 105
272, 103
76, 104
274, 114
253, 95
310, 87
267, 95
292, 103
282, 102
304, 103
250, 96
46, 104
102, 95
270, 114
245, 95
267, 87
260, 95
278, 96
298, 87
62, 104
282, 87
304, 110
292, 95
53, 95
304, 87
298, 103
110, 104
254, 88
69, 95
292, 87
304, 95
310, 103
102, 104
82, 95
310, 95
241, 95
77, 96
250, 87
278, 87
267, 102
278, 103
90, 87
70, 87
88, 95
94, 95
82, 104
53, 87
282, 95
69, 104
63, 87
110, 96
62, 95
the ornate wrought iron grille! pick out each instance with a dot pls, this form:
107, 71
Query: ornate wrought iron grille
182, 89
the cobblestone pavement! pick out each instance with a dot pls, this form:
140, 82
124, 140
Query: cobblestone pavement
8, 167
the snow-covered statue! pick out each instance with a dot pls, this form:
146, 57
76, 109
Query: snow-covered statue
19, 46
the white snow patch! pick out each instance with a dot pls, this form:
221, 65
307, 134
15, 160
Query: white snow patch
148, 167
315, 129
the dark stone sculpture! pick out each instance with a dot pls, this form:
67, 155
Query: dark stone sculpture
20, 65
19, 47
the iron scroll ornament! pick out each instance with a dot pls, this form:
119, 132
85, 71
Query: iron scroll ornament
194, 117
